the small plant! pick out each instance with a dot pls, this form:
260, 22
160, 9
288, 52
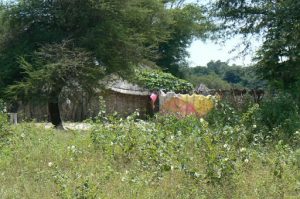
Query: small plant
5, 131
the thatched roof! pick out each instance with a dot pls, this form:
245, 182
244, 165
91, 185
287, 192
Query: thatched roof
202, 89
125, 87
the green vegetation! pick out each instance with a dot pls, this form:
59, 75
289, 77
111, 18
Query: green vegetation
50, 46
220, 75
277, 22
188, 23
158, 80
55, 68
118, 34
237, 151
165, 157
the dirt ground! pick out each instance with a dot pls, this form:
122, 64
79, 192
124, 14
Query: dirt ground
69, 126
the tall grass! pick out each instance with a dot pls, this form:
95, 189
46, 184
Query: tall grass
162, 158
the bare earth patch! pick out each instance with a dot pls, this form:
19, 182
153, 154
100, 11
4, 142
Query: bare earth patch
68, 126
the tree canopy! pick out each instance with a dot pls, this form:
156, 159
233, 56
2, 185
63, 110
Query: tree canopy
278, 22
54, 68
221, 75
112, 34
117, 32
188, 23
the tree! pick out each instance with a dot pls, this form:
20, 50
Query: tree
232, 76
118, 32
188, 23
212, 81
221, 75
55, 67
278, 22
218, 67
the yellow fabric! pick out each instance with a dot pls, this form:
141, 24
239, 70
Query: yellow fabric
187, 104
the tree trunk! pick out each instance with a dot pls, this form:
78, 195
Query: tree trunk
55, 115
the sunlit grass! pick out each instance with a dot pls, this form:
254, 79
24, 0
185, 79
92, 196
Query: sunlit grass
46, 163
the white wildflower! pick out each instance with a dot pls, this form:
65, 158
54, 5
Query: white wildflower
254, 126
243, 149
246, 160
50, 164
197, 175
172, 167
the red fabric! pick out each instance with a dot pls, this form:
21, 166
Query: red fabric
153, 97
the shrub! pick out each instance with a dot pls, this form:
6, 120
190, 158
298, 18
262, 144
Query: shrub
169, 143
280, 113
223, 114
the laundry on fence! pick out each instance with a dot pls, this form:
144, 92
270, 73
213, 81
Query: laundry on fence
184, 104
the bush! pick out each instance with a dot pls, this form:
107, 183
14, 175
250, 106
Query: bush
280, 113
223, 114
275, 118
169, 143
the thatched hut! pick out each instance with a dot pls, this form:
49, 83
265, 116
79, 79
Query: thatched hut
119, 95
125, 98
203, 90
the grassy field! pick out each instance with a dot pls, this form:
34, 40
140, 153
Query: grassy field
165, 158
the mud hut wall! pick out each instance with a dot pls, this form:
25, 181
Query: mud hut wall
126, 104
88, 107
78, 110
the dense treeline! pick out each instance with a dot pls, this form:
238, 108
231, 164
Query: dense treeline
277, 22
221, 75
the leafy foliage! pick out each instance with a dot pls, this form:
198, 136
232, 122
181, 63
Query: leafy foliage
281, 112
275, 118
211, 81
278, 23
221, 75
158, 80
166, 157
188, 23
55, 67
119, 34
5, 131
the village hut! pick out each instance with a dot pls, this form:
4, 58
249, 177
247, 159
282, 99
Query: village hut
203, 90
120, 96
126, 98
